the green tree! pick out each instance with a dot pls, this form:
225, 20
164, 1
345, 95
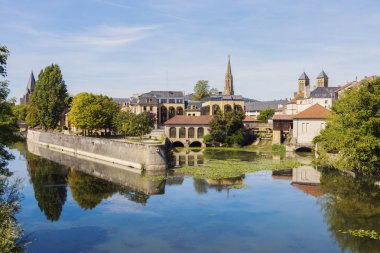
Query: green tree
265, 115
227, 128
50, 96
353, 131
92, 112
10, 230
140, 124
121, 122
32, 116
20, 111
201, 90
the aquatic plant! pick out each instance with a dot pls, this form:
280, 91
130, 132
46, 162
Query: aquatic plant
362, 233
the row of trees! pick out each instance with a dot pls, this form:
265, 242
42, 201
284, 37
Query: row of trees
353, 131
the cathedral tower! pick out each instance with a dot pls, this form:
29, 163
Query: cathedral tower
322, 79
229, 82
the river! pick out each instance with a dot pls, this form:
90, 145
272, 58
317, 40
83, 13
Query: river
73, 205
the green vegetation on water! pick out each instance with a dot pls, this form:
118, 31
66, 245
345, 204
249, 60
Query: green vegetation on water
223, 169
372, 234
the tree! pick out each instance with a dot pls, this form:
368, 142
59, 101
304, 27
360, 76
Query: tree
353, 131
32, 116
92, 112
140, 124
201, 90
265, 115
20, 111
122, 121
10, 230
226, 128
50, 96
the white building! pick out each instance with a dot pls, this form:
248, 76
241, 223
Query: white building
308, 124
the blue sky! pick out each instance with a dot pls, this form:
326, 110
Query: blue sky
119, 47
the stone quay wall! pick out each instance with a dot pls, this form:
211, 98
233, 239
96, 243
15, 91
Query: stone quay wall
149, 157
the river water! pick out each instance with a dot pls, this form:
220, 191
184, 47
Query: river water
74, 205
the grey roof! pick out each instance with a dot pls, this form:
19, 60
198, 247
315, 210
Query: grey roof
324, 92
223, 97
322, 75
303, 77
121, 101
192, 102
31, 83
167, 94
261, 105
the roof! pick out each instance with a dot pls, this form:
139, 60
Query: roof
121, 101
261, 105
31, 83
283, 117
166, 94
355, 84
313, 190
322, 75
315, 111
189, 120
294, 100
224, 97
250, 119
324, 92
303, 77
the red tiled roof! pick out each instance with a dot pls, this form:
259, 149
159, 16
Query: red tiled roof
189, 120
282, 117
313, 190
250, 119
313, 112
294, 100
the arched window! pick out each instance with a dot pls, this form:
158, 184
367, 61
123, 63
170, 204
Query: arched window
227, 108
173, 132
190, 132
201, 132
179, 110
215, 109
164, 112
182, 132
171, 112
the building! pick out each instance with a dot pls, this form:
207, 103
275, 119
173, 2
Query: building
308, 124
254, 108
187, 131
29, 89
229, 81
193, 108
282, 128
353, 85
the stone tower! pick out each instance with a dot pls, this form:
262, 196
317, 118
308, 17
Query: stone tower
322, 79
303, 84
229, 82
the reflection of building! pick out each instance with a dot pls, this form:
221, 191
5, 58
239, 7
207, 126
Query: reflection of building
29, 89
188, 158
187, 131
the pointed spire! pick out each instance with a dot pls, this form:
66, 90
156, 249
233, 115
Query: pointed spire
31, 83
303, 77
322, 74
228, 82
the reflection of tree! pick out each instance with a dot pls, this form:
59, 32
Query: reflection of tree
88, 191
200, 185
134, 196
351, 204
49, 183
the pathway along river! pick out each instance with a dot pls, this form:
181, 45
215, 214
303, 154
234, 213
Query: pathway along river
94, 208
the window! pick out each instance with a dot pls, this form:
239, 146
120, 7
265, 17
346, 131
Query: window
172, 132
151, 108
305, 127
190, 132
164, 100
144, 108
171, 101
323, 125
326, 101
182, 132
200, 132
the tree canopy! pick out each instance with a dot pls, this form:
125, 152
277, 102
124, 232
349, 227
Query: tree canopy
93, 112
265, 115
50, 97
202, 90
353, 131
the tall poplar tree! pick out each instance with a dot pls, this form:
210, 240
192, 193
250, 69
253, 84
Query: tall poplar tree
50, 96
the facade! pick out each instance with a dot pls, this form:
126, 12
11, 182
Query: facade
29, 89
224, 103
308, 124
187, 131
193, 108
282, 128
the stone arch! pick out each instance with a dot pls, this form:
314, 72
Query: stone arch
171, 112
164, 112
303, 149
200, 132
190, 132
173, 132
179, 110
227, 108
182, 132
195, 144
178, 144
215, 109
238, 108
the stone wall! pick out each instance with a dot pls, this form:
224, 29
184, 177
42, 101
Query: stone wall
149, 157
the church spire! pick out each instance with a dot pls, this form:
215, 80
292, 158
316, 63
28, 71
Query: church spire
229, 83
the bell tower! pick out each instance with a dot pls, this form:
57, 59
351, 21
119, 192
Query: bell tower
322, 79
303, 83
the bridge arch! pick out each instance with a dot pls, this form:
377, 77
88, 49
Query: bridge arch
195, 144
178, 144
303, 149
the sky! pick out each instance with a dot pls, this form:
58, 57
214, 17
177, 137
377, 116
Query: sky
123, 47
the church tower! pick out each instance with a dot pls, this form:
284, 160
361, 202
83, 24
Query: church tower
322, 79
303, 84
229, 82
